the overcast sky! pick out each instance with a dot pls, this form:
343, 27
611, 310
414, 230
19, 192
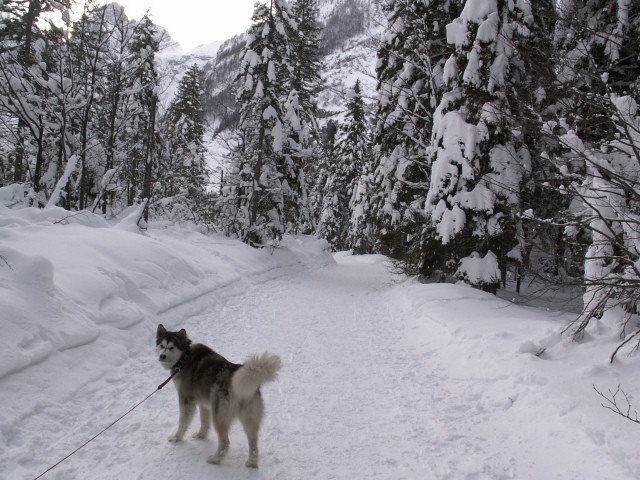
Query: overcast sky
195, 22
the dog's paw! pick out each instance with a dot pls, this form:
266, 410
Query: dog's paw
200, 435
252, 461
175, 438
215, 459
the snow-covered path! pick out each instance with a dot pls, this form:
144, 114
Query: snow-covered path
380, 381
337, 410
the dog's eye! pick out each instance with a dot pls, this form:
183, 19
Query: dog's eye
171, 348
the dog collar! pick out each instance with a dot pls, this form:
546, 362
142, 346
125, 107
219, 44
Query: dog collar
180, 363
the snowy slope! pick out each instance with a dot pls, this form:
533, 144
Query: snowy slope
383, 377
172, 63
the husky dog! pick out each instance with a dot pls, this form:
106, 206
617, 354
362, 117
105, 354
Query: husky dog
223, 390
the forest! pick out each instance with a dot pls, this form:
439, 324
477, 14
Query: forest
503, 145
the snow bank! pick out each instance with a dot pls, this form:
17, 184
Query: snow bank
36, 316
64, 276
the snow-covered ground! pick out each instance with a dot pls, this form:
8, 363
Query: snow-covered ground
383, 377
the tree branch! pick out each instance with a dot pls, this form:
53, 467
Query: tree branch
612, 403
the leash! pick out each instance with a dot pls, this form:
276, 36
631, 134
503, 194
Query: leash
173, 374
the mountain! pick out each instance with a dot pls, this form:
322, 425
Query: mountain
173, 62
219, 98
350, 31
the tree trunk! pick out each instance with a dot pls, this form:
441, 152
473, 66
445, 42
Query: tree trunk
111, 138
148, 168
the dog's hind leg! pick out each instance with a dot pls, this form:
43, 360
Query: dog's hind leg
187, 411
222, 423
205, 421
251, 418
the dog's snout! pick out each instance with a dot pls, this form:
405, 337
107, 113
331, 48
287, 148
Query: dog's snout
163, 357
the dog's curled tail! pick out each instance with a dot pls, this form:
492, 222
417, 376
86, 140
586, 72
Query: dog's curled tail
255, 371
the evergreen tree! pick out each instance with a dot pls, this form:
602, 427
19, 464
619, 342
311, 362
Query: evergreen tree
306, 82
354, 157
479, 155
185, 173
409, 72
361, 236
350, 155
533, 102
305, 46
266, 186
320, 171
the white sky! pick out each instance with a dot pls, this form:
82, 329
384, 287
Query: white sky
195, 22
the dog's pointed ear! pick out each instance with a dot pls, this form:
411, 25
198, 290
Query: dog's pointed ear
161, 331
182, 335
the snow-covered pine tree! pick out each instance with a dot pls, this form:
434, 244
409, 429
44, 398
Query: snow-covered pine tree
184, 172
411, 59
305, 48
542, 248
320, 171
262, 194
479, 157
354, 158
361, 236
305, 81
343, 173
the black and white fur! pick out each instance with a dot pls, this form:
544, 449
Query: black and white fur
222, 390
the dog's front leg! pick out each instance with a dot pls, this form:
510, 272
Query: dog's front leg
187, 410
